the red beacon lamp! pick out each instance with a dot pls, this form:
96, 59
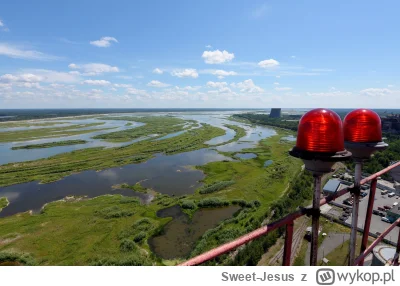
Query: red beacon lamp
319, 144
320, 141
362, 131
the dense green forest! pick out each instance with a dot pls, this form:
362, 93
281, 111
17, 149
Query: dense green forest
381, 160
265, 120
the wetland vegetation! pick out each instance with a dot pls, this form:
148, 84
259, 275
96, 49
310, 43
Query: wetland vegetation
118, 230
99, 158
50, 144
3, 203
49, 132
263, 119
154, 125
29, 124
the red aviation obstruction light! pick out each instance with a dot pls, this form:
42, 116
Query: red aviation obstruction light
320, 144
320, 130
320, 140
363, 133
362, 125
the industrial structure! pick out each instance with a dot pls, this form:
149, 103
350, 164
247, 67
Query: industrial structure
391, 123
331, 187
275, 113
382, 255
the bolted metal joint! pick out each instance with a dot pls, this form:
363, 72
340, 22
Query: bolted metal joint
355, 190
311, 212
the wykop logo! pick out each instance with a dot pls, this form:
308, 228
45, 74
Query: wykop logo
325, 276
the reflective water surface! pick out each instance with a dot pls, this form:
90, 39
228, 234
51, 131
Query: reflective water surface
181, 234
165, 174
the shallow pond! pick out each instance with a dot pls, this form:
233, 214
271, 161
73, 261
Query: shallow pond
180, 235
245, 156
289, 138
165, 174
267, 163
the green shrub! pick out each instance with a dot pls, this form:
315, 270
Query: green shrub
13, 258
139, 237
215, 187
130, 260
188, 205
241, 203
129, 200
113, 212
127, 245
126, 233
143, 224
212, 203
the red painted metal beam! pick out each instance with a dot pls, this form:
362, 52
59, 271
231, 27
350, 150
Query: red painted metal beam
376, 241
287, 250
279, 223
396, 257
242, 240
380, 173
368, 216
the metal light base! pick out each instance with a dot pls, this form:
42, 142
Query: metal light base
319, 163
363, 151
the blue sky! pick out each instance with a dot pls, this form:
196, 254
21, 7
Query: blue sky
64, 54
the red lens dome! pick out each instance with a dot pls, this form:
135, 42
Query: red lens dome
362, 126
320, 130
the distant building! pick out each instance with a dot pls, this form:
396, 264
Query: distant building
275, 113
391, 123
331, 187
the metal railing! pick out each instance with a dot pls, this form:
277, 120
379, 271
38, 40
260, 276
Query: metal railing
288, 222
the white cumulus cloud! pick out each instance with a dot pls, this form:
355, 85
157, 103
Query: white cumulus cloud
376, 91
222, 73
156, 83
282, 88
93, 68
100, 82
247, 86
40, 75
104, 42
218, 84
3, 26
22, 53
122, 85
185, 73
158, 71
268, 63
217, 57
